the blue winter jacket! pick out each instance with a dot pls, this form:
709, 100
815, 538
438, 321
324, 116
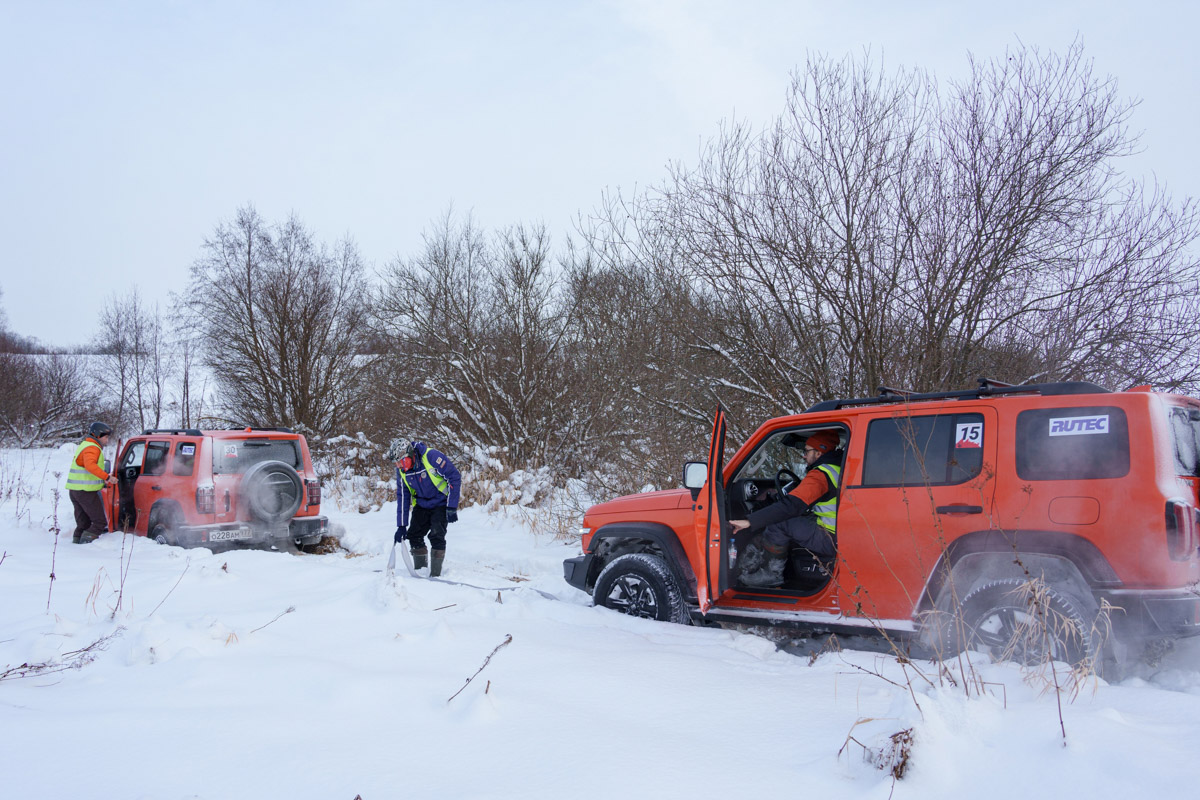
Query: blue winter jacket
426, 493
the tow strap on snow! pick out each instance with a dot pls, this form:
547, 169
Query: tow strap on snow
408, 565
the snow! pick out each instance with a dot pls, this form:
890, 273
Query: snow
264, 674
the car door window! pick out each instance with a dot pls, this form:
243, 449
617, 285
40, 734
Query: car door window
133, 455
928, 450
156, 458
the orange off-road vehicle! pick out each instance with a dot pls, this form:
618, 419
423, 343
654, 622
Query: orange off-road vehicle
218, 488
950, 505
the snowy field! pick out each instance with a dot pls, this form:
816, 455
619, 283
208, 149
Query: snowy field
170, 673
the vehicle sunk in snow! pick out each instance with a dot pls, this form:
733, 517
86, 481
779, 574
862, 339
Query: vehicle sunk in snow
218, 488
952, 507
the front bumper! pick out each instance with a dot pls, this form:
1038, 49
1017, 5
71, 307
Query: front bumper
576, 571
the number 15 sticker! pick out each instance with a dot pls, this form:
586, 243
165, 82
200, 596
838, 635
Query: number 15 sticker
969, 434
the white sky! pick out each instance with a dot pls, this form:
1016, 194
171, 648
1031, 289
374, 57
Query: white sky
130, 129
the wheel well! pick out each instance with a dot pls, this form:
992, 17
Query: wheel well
615, 540
976, 568
1061, 556
169, 509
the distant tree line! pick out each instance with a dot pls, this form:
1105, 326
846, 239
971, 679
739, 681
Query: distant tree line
884, 230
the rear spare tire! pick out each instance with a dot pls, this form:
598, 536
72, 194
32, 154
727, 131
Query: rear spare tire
271, 492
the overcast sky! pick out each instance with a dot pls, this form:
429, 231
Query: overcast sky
131, 129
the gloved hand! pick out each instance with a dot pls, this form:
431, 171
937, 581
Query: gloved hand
401, 532
451, 515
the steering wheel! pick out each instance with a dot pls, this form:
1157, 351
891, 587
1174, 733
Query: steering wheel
782, 487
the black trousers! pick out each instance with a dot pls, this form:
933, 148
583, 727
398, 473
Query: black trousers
89, 512
804, 531
430, 521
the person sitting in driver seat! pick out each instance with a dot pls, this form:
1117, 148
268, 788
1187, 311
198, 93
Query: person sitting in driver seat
806, 516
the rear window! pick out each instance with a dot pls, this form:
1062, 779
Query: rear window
1062, 444
235, 456
923, 450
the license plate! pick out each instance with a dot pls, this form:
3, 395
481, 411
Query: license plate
225, 536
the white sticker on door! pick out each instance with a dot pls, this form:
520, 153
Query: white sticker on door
969, 434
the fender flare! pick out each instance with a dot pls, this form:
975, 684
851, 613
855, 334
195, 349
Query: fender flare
1044, 546
662, 536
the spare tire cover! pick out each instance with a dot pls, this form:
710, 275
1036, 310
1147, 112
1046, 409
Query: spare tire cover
271, 491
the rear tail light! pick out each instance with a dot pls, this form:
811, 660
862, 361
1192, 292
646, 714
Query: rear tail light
1183, 531
205, 500
314, 493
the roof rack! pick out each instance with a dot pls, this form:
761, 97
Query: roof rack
987, 388
250, 428
172, 431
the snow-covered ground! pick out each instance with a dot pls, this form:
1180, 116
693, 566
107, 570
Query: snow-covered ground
261, 675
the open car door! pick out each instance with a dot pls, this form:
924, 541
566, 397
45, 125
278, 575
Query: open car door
110, 495
712, 518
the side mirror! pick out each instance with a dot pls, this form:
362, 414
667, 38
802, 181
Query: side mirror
695, 474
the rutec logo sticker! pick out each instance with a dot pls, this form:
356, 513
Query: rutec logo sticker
1078, 426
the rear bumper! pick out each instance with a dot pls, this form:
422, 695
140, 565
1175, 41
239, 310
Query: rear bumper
1174, 612
301, 530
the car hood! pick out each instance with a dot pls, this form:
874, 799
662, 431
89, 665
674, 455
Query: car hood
647, 501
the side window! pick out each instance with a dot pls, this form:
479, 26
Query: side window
929, 450
133, 455
1061, 444
1184, 432
185, 459
156, 458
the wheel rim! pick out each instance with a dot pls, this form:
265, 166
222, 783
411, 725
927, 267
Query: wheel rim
1014, 630
633, 595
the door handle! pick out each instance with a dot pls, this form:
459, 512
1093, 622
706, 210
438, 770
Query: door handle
959, 509
156, 488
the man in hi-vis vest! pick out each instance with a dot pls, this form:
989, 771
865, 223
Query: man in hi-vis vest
427, 493
84, 482
806, 516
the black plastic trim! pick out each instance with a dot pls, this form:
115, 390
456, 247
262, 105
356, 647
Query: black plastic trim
1086, 557
658, 533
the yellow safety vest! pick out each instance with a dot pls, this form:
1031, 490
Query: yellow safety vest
79, 479
439, 483
826, 511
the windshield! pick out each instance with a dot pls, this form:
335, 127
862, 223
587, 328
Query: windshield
783, 449
235, 456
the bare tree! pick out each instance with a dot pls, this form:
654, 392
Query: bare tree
283, 321
477, 333
139, 360
884, 232
44, 399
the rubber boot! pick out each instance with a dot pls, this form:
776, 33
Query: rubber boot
419, 557
435, 565
770, 574
751, 559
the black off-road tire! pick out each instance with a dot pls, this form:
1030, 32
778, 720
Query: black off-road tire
163, 523
271, 492
998, 619
641, 585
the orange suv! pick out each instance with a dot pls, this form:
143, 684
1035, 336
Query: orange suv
950, 504
218, 488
